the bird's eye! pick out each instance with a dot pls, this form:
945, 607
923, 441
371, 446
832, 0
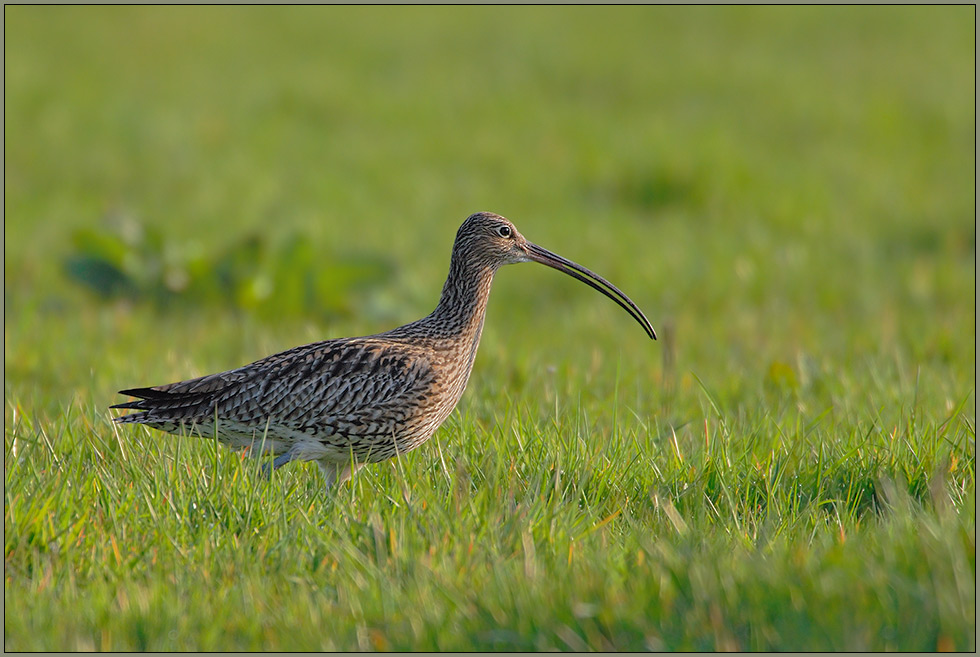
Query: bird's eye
504, 231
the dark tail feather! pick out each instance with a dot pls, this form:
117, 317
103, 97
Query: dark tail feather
147, 398
163, 409
131, 418
144, 393
135, 405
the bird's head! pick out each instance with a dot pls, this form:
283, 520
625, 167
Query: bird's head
489, 240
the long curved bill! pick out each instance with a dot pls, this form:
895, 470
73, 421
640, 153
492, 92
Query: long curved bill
593, 280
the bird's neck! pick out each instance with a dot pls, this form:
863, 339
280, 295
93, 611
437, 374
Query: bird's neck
463, 303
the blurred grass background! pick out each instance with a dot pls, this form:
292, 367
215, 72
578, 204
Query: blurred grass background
789, 194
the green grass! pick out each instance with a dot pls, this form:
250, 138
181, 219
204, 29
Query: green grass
787, 192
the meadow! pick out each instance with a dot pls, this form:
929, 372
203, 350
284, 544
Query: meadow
788, 193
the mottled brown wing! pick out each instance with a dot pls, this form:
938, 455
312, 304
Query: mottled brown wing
361, 385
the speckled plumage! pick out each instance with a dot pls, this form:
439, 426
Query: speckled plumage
351, 401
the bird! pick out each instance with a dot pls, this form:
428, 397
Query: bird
348, 402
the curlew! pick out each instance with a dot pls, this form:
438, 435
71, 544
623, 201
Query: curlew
348, 402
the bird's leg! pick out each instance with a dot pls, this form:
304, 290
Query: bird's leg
279, 461
348, 471
338, 473
329, 470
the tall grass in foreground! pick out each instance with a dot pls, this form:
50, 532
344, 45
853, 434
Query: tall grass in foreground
507, 533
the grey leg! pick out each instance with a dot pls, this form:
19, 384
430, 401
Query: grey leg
348, 471
338, 473
279, 461
329, 470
